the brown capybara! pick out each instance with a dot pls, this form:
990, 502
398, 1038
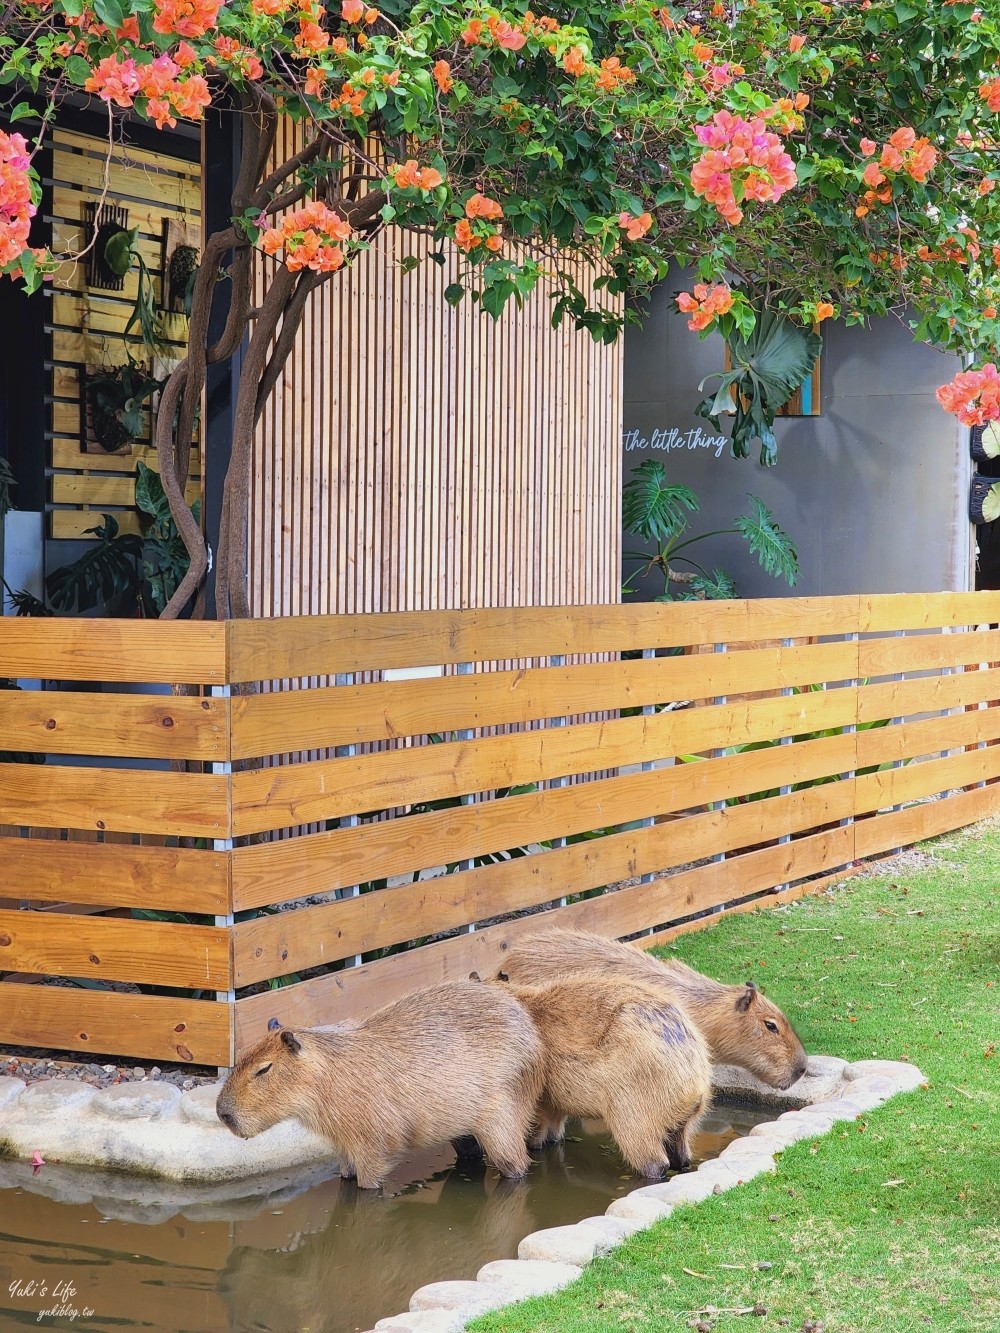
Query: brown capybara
452, 1060
617, 1049
739, 1024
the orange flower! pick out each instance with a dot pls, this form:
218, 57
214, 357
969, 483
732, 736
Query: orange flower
635, 227
410, 175
315, 79
494, 242
465, 238
574, 61
441, 71
481, 206
473, 33
796, 43
824, 310
352, 11
371, 16
702, 52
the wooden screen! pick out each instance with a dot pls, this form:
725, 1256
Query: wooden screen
615, 780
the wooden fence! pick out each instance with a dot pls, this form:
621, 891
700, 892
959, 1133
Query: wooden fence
339, 810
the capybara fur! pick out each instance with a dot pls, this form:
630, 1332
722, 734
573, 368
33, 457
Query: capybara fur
741, 1026
618, 1049
453, 1060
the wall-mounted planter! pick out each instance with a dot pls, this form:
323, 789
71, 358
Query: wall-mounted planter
984, 499
984, 441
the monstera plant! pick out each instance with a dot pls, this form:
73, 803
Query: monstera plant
656, 511
768, 365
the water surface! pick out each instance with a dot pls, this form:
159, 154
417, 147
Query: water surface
301, 1252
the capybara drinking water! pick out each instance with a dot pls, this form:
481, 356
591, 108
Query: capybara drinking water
618, 1049
739, 1024
448, 1061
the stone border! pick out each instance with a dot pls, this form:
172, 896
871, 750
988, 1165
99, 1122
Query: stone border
155, 1132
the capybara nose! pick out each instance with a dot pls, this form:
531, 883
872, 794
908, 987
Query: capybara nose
228, 1119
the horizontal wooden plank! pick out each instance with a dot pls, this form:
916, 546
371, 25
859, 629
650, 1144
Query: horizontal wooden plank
170, 182
187, 652
910, 740
357, 991
274, 872
78, 524
301, 793
127, 154
926, 694
145, 1027
289, 720
100, 490
116, 799
926, 652
881, 612
170, 879
309, 937
68, 204
156, 953
68, 454
914, 782
324, 645
132, 725
902, 828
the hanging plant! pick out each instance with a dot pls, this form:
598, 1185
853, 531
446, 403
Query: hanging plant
115, 399
769, 364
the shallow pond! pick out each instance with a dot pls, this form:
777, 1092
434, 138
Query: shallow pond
301, 1252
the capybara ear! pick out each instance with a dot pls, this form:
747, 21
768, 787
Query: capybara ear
291, 1041
746, 999
474, 976
502, 976
273, 1024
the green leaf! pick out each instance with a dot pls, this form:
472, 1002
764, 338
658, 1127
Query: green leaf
991, 504
78, 71
21, 112
119, 251
107, 571
718, 587
772, 546
652, 508
111, 12
454, 292
991, 441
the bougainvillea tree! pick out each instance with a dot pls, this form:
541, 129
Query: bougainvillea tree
807, 160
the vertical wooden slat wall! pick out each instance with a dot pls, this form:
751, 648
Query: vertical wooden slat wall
416, 456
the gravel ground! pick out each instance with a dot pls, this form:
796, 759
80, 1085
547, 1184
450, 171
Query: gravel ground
37, 1068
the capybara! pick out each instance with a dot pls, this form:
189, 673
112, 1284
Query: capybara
741, 1026
449, 1061
618, 1049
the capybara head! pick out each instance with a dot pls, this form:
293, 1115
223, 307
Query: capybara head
265, 1086
763, 1040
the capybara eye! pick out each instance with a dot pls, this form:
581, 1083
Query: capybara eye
771, 1027
264, 1068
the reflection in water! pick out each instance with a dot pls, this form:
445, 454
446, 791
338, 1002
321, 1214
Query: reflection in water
305, 1253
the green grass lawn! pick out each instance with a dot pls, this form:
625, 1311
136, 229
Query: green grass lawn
893, 1222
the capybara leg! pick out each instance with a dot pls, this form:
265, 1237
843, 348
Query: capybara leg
678, 1150
550, 1125
348, 1171
678, 1141
640, 1144
503, 1138
468, 1148
369, 1171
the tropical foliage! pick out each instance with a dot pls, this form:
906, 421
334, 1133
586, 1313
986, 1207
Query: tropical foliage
657, 512
804, 158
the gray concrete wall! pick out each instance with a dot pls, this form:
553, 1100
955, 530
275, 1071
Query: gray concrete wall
874, 491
